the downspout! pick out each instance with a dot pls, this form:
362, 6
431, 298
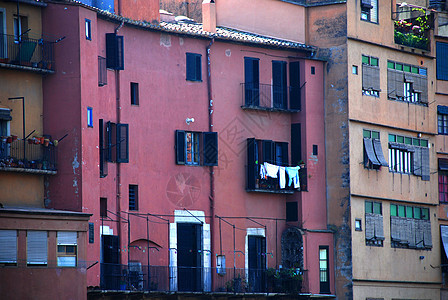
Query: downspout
211, 168
118, 115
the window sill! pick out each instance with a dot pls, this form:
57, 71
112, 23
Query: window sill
272, 109
408, 102
31, 171
194, 80
271, 191
368, 21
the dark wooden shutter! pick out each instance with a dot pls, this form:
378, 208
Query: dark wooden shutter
417, 161
251, 82
191, 66
285, 159
180, 147
122, 143
103, 149
210, 142
114, 51
268, 151
399, 81
279, 83
442, 60
391, 88
198, 68
425, 164
252, 166
420, 85
111, 129
294, 85
443, 164
368, 147
366, 4
379, 152
296, 144
292, 213
102, 71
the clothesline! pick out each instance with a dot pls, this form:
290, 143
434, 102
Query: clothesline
274, 171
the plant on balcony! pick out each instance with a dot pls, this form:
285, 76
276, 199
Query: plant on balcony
413, 32
236, 285
284, 280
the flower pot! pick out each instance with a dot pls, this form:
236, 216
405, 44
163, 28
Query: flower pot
14, 137
9, 139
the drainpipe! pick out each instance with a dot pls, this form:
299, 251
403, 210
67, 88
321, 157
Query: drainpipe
118, 115
210, 128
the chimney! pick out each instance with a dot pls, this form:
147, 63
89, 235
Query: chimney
209, 16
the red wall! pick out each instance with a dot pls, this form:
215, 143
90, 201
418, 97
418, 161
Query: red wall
157, 62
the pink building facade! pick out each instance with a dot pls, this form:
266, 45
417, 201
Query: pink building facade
169, 129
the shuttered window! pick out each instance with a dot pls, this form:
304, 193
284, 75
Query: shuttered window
111, 135
369, 10
194, 67
279, 83
442, 60
102, 71
8, 247
133, 197
134, 94
373, 152
442, 119
374, 223
443, 180
67, 242
114, 51
407, 83
122, 143
36, 248
370, 76
102, 149
196, 148
251, 81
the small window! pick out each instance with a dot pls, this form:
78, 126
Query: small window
88, 30
134, 93
102, 71
103, 207
67, 244
355, 70
442, 119
194, 67
91, 233
315, 149
133, 197
369, 10
358, 225
89, 117
324, 270
313, 70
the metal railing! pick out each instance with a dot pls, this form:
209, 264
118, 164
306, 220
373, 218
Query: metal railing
24, 51
255, 183
270, 97
205, 280
17, 154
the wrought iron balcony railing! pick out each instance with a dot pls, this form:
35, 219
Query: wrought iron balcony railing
206, 280
24, 51
26, 157
270, 97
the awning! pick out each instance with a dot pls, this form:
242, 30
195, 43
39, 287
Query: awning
370, 152
379, 152
444, 234
443, 164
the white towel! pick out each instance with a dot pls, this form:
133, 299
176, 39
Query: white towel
271, 170
282, 176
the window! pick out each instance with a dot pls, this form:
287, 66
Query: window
355, 70
374, 224
324, 270
102, 71
89, 117
279, 84
196, 148
410, 227
407, 83
194, 67
370, 76
134, 93
88, 30
251, 81
292, 212
369, 10
443, 180
36, 248
442, 119
442, 60
117, 142
358, 225
67, 242
20, 28
409, 156
133, 197
102, 150
373, 153
114, 51
8, 247
313, 70
103, 207
91, 233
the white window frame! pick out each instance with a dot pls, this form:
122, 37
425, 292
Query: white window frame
88, 29
67, 238
195, 148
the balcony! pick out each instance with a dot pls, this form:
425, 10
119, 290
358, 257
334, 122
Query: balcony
270, 97
27, 157
136, 277
413, 32
271, 185
26, 53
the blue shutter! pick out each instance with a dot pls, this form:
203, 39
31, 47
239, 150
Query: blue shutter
442, 60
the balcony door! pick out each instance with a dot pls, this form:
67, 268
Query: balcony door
189, 253
251, 81
257, 262
110, 266
279, 84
